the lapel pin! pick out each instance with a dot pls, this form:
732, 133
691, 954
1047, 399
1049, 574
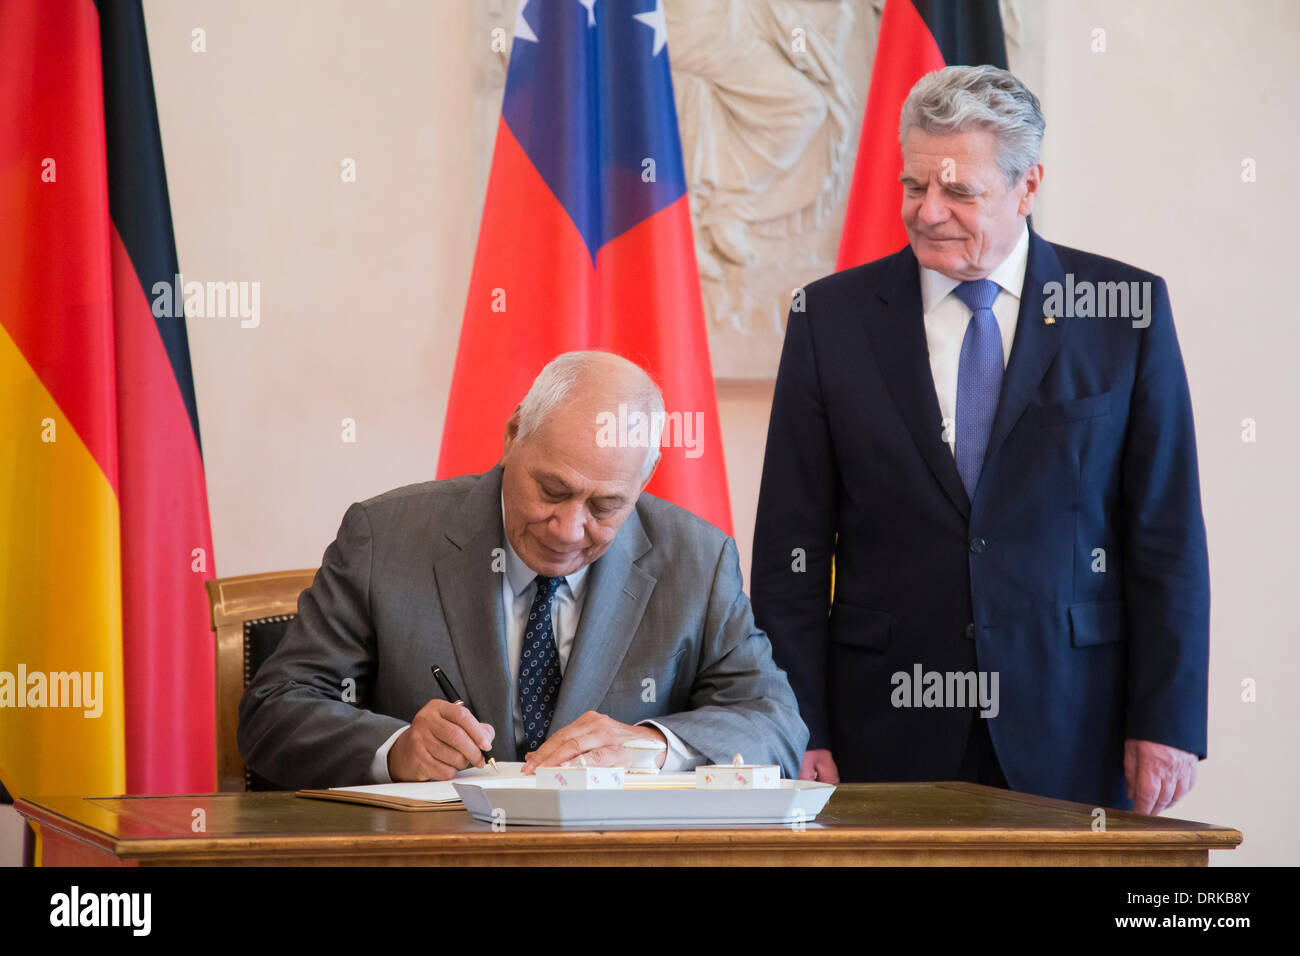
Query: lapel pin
1048, 320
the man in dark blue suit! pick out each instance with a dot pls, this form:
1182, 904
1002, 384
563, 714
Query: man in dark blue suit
991, 436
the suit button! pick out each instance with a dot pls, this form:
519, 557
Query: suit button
977, 545
970, 632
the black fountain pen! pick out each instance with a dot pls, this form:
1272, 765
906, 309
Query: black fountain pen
449, 691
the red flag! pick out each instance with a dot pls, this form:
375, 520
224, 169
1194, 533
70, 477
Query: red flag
104, 510
586, 243
916, 37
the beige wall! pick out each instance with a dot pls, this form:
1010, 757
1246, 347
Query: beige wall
363, 285
1143, 161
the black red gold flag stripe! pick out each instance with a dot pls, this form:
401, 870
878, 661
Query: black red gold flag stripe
103, 504
916, 37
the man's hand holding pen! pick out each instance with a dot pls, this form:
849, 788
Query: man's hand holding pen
443, 738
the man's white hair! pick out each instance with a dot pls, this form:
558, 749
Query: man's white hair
958, 99
556, 381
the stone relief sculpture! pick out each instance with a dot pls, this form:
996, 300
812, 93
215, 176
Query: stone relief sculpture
767, 111
769, 98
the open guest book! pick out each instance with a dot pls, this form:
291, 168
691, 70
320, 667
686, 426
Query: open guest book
428, 795
442, 795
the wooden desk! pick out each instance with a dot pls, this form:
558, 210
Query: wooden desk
902, 824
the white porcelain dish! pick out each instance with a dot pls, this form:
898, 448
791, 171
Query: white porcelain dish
506, 801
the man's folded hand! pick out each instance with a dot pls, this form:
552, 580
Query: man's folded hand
819, 765
594, 737
1158, 775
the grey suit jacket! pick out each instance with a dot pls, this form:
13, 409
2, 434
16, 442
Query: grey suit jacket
414, 579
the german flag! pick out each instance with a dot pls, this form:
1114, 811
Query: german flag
916, 37
106, 660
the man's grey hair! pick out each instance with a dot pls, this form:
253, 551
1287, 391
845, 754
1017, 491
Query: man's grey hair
556, 382
958, 99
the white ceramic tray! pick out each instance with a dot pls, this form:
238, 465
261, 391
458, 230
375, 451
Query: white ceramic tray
509, 802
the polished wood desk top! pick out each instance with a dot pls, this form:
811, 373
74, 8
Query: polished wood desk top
882, 824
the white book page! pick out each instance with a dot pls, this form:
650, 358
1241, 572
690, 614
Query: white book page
442, 791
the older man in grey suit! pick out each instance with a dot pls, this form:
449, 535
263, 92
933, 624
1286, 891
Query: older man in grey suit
574, 612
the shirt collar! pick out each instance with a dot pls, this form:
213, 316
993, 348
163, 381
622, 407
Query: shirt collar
519, 575
1009, 274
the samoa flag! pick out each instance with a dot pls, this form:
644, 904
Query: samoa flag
586, 241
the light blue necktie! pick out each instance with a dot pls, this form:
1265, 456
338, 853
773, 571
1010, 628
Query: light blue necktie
979, 379
539, 667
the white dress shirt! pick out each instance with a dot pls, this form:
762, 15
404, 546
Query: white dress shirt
518, 588
946, 318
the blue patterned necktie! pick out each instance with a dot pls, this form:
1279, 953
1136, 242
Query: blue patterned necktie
539, 667
979, 379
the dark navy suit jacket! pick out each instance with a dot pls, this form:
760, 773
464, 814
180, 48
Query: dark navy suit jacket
1092, 447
